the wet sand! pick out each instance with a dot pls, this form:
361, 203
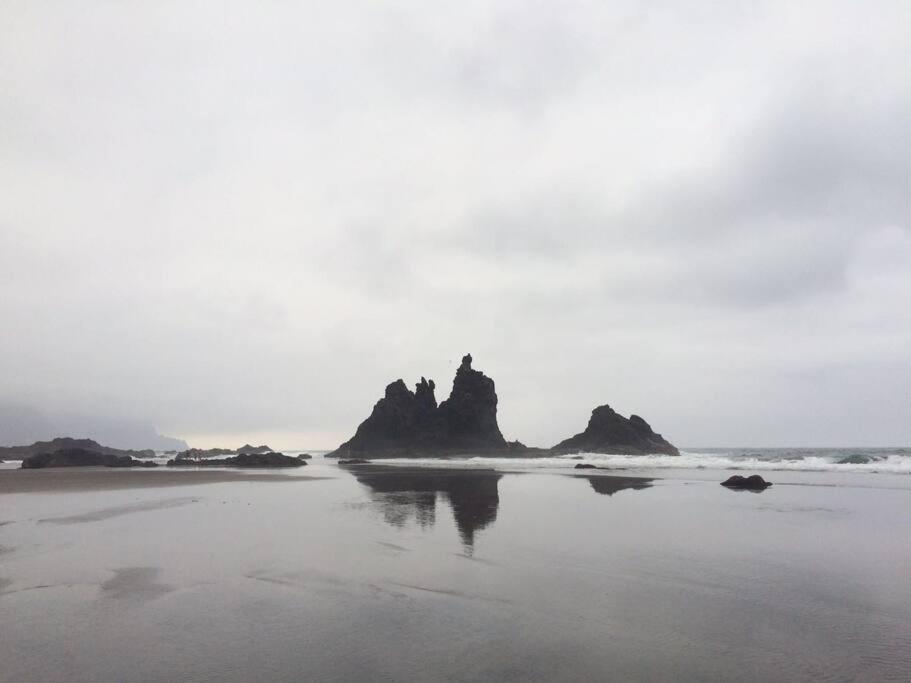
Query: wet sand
472, 575
108, 479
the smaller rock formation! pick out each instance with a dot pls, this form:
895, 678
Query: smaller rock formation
305, 456
610, 432
353, 461
247, 448
752, 483
80, 457
584, 466
205, 453
242, 460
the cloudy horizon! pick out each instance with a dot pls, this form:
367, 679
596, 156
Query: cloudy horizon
240, 222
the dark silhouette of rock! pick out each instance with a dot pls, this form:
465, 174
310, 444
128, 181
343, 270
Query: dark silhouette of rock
404, 492
242, 460
585, 466
196, 453
305, 456
81, 457
247, 448
353, 461
67, 443
752, 483
610, 432
608, 485
407, 423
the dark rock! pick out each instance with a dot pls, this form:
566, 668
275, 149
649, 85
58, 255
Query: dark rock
68, 443
353, 461
752, 483
247, 449
242, 460
205, 453
80, 457
305, 456
610, 432
411, 423
585, 466
856, 459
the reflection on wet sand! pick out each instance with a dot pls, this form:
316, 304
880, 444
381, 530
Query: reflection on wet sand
608, 485
405, 492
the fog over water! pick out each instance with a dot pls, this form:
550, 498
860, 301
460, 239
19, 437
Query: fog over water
233, 223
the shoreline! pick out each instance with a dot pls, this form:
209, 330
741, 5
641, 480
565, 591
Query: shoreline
53, 480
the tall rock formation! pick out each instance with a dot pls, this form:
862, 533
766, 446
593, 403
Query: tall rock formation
406, 422
610, 432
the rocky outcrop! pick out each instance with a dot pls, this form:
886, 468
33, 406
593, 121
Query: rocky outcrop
752, 483
247, 448
68, 443
242, 460
408, 423
81, 457
610, 432
205, 453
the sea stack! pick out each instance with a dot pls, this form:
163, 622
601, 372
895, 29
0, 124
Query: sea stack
410, 423
610, 432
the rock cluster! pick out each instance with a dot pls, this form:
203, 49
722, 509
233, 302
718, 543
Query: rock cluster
81, 457
610, 432
406, 422
243, 460
68, 443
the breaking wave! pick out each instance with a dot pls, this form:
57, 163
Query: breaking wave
873, 461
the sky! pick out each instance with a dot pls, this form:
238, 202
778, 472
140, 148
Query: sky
239, 221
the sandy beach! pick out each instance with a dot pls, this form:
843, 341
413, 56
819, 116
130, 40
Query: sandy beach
110, 479
442, 574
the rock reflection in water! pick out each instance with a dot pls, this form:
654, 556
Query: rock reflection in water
608, 485
405, 492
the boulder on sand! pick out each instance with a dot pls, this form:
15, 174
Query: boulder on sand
752, 483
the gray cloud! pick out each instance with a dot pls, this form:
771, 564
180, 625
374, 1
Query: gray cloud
233, 222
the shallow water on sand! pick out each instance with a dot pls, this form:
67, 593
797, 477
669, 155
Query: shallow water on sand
407, 573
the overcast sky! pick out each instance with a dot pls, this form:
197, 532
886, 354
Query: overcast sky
240, 221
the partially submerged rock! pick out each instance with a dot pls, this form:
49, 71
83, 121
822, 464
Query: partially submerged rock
205, 453
353, 461
80, 457
610, 432
242, 460
584, 466
856, 459
752, 483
